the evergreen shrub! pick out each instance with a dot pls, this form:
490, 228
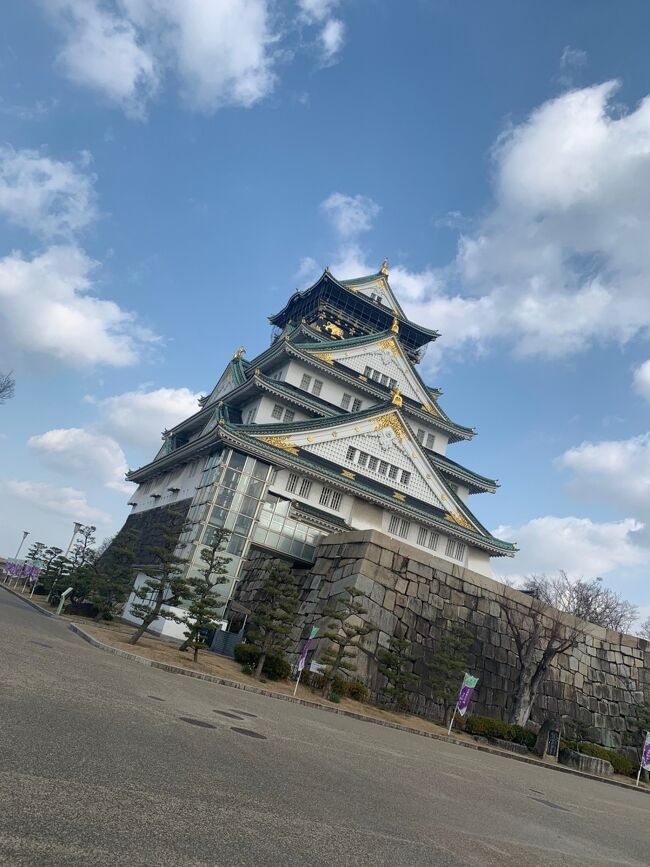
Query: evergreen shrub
357, 690
621, 764
275, 667
495, 728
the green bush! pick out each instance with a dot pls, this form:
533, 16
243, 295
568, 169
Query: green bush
335, 697
621, 764
246, 654
275, 667
496, 728
356, 690
247, 668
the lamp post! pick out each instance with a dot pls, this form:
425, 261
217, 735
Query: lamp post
77, 527
22, 542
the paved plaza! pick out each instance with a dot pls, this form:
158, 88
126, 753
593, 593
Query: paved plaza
107, 762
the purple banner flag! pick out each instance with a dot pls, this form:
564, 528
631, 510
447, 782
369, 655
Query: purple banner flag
645, 756
465, 694
305, 650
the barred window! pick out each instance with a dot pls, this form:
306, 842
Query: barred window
372, 463
406, 477
318, 384
345, 401
430, 440
250, 415
383, 468
356, 405
351, 452
392, 472
455, 550
427, 538
399, 526
367, 372
305, 488
335, 502
420, 435
289, 415
292, 483
327, 496
362, 460
305, 382
277, 411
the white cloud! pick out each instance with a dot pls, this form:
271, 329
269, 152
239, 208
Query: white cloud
66, 502
332, 37
561, 261
46, 310
83, 453
46, 196
616, 472
103, 50
642, 380
332, 30
350, 215
582, 547
220, 52
137, 418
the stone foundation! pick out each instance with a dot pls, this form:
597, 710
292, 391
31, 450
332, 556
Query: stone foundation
411, 594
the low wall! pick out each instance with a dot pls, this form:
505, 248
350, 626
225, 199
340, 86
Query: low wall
409, 593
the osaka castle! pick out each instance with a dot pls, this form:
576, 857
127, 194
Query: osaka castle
331, 428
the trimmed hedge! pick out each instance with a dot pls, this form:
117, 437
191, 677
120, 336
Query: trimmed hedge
496, 728
275, 667
621, 764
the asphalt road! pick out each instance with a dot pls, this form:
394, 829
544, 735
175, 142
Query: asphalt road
100, 764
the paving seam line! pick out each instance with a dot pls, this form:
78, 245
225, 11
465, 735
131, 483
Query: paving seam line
222, 681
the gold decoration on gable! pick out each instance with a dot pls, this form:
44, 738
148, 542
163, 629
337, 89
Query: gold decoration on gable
397, 400
459, 519
389, 343
431, 408
395, 326
284, 443
324, 356
384, 268
392, 421
399, 496
348, 474
241, 351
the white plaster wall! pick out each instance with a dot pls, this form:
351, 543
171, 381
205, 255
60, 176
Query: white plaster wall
265, 409
279, 486
185, 477
332, 390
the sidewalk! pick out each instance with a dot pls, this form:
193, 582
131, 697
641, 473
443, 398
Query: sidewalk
282, 691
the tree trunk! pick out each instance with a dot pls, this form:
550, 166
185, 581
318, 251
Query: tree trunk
196, 652
147, 621
184, 645
260, 665
523, 701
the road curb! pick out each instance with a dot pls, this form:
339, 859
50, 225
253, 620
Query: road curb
27, 600
234, 684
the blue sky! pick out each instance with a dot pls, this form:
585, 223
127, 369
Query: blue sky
169, 173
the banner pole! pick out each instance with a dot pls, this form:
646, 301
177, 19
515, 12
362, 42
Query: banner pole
297, 682
452, 720
638, 776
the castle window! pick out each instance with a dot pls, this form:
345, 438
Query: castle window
345, 401
356, 405
430, 440
427, 538
455, 550
372, 463
250, 415
406, 477
305, 382
392, 472
362, 460
383, 468
367, 372
351, 452
305, 488
289, 415
420, 435
330, 499
399, 526
292, 483
277, 411
318, 384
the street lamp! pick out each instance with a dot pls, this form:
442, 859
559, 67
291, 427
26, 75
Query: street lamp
77, 527
22, 542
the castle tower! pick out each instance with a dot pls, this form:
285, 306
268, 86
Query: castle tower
330, 428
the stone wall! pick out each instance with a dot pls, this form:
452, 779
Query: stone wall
419, 596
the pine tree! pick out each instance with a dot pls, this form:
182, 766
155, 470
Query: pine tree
110, 575
165, 586
205, 602
274, 615
448, 666
396, 664
345, 631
